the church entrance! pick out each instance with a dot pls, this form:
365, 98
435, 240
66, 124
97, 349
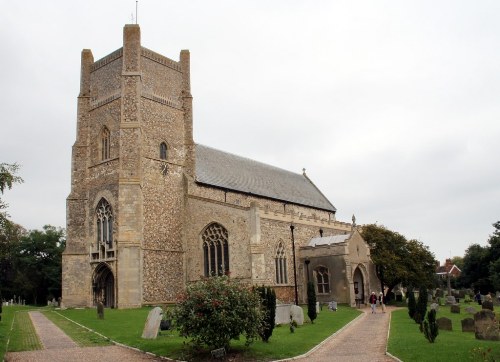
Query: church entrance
103, 286
359, 289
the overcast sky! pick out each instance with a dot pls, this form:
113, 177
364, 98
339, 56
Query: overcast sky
391, 106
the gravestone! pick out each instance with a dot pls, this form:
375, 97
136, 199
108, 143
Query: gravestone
451, 300
297, 314
486, 325
317, 307
282, 314
455, 308
468, 325
470, 310
100, 310
435, 306
152, 324
487, 304
444, 324
332, 306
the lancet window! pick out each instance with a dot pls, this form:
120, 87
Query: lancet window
215, 250
280, 264
163, 151
105, 144
323, 280
103, 248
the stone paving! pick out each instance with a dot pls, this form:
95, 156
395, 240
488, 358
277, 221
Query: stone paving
365, 339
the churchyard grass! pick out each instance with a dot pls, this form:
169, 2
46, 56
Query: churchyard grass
408, 344
126, 326
22, 337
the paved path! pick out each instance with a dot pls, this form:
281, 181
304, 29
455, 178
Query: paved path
364, 340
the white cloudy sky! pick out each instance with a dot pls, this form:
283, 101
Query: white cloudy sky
391, 106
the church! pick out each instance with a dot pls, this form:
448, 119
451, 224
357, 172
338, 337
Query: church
151, 211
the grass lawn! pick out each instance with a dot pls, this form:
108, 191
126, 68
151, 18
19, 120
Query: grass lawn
22, 337
126, 325
408, 344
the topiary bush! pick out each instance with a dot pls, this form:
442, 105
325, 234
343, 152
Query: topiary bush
215, 310
431, 329
412, 304
311, 301
268, 303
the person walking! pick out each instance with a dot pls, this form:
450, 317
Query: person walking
373, 302
381, 301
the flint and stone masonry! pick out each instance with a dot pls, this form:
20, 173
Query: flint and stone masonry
150, 211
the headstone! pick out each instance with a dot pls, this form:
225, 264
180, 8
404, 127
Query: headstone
297, 314
332, 306
100, 310
435, 306
317, 307
486, 325
450, 299
282, 314
470, 310
152, 324
487, 304
444, 324
468, 325
455, 308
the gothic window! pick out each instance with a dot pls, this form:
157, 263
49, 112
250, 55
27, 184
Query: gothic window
105, 144
215, 250
280, 264
104, 216
323, 280
163, 151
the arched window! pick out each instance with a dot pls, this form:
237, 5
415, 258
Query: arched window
105, 144
323, 280
280, 263
163, 151
215, 250
104, 216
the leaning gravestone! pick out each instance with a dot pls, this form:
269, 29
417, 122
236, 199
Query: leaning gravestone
444, 324
152, 324
435, 306
486, 325
297, 315
488, 304
455, 308
468, 325
470, 310
100, 310
282, 314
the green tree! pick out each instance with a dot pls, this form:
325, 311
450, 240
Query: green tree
10, 237
217, 309
268, 300
412, 304
475, 272
8, 177
37, 264
421, 307
398, 260
430, 327
311, 302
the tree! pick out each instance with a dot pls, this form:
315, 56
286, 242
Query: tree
421, 307
10, 237
431, 329
412, 304
217, 309
8, 177
268, 300
311, 301
37, 264
398, 260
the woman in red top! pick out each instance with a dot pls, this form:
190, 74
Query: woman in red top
373, 302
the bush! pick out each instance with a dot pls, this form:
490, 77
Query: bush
431, 329
311, 301
268, 300
412, 305
421, 307
215, 310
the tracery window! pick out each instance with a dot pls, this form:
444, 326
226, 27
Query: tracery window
104, 216
105, 144
215, 250
280, 264
323, 280
163, 151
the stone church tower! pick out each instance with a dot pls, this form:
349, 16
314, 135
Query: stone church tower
134, 146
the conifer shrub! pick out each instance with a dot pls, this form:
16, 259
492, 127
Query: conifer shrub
431, 329
311, 301
215, 310
268, 303
421, 307
412, 304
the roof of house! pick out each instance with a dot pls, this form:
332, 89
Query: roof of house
328, 240
231, 172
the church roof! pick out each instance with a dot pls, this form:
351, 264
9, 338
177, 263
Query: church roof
228, 171
328, 240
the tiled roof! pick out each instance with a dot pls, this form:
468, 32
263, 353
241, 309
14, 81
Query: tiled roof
231, 172
328, 240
